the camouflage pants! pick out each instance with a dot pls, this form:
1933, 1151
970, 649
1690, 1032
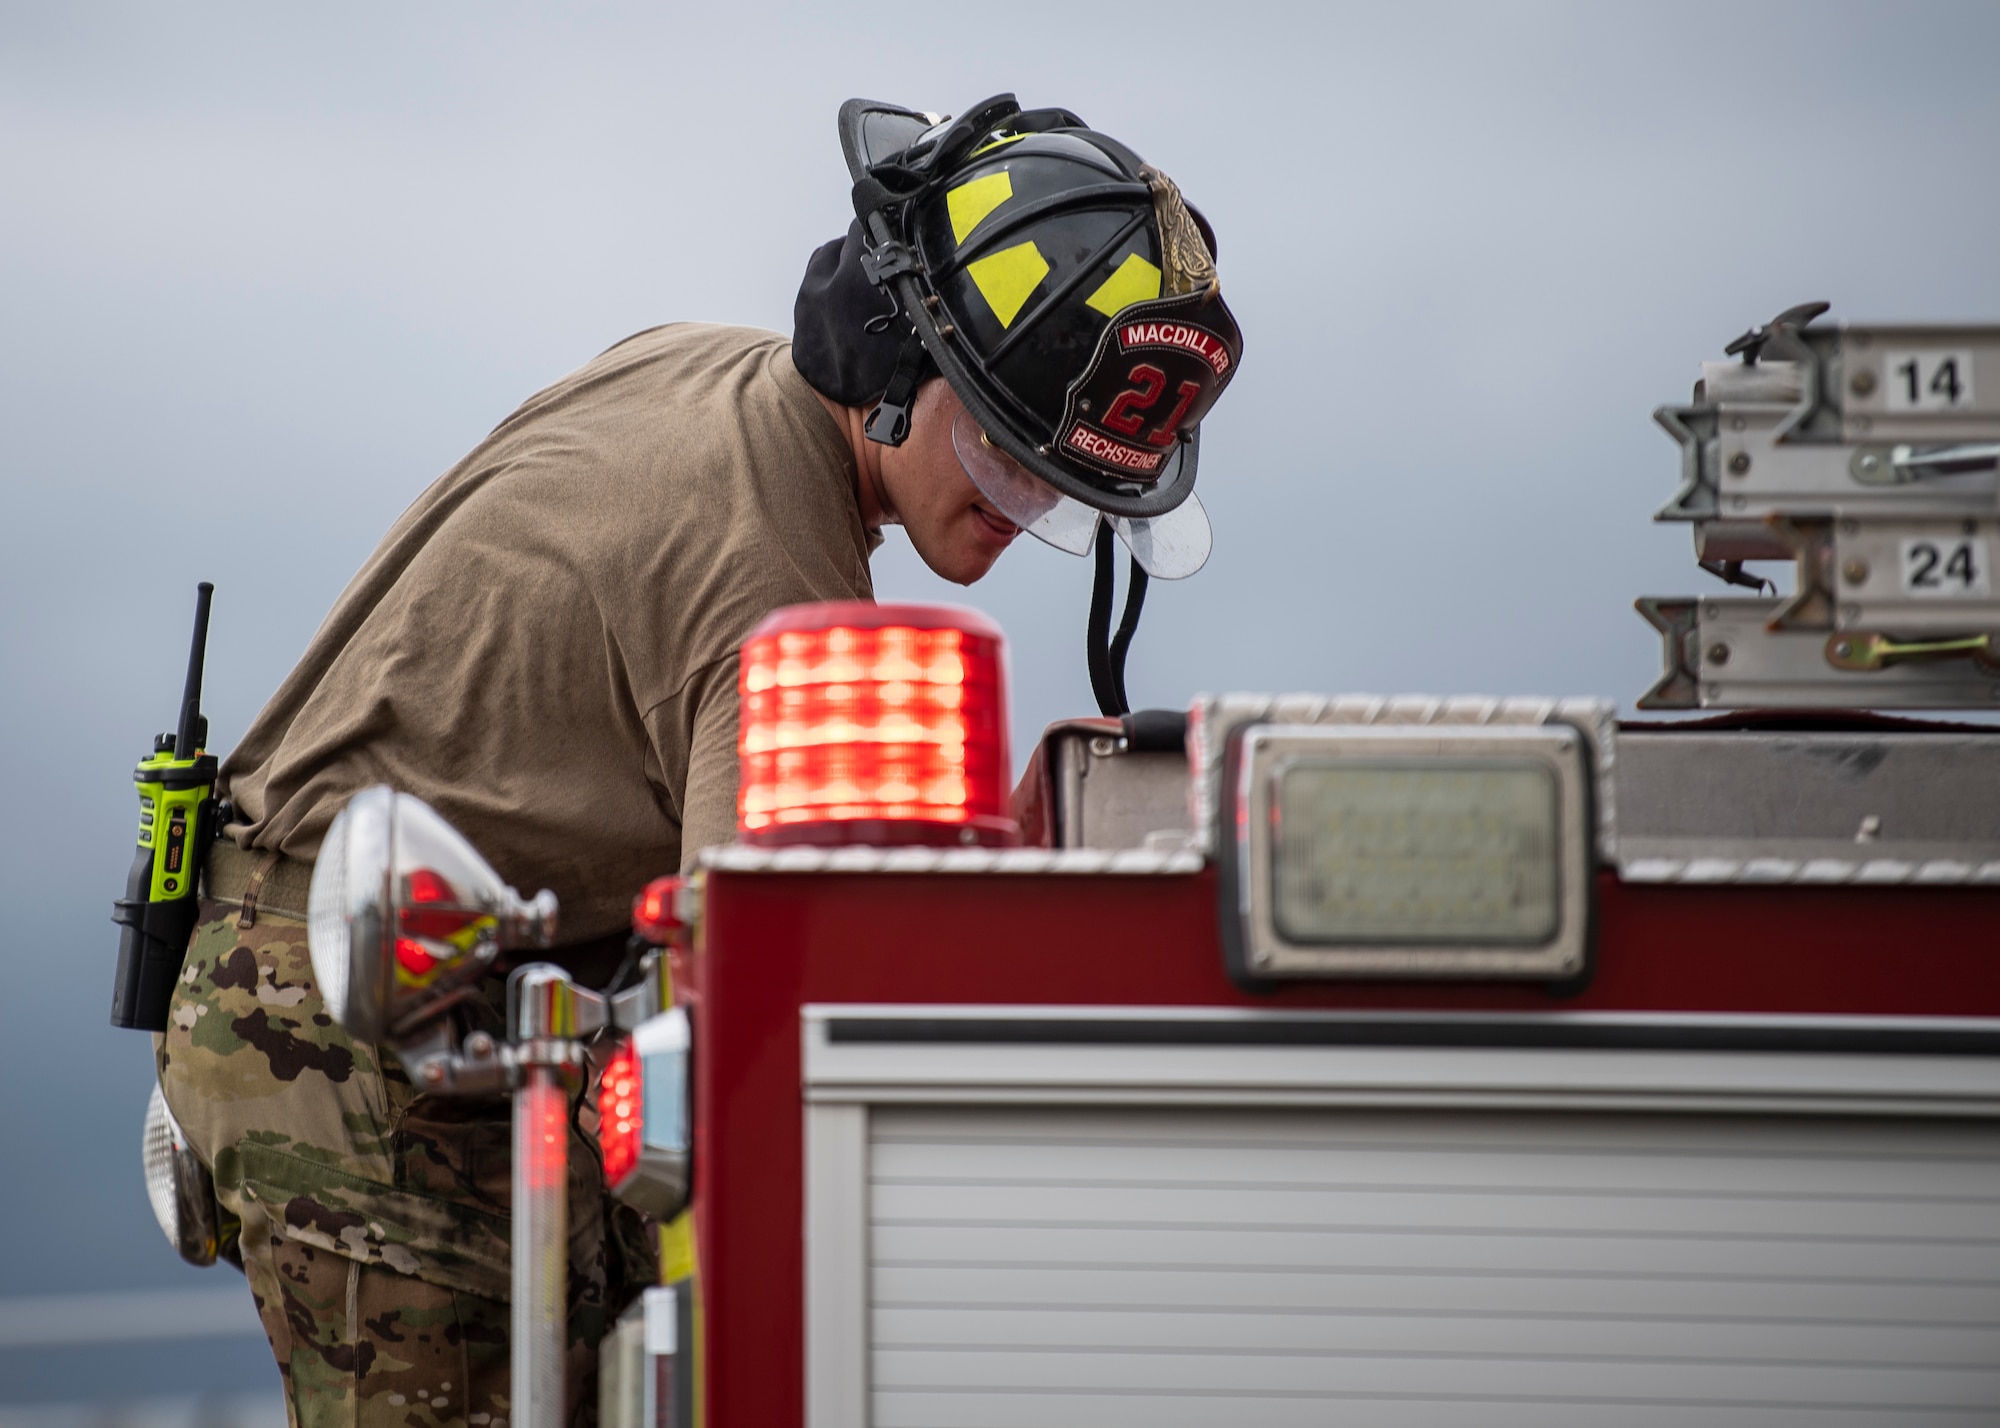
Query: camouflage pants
372, 1221
361, 1345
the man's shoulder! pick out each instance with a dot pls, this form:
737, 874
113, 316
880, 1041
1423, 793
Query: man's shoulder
689, 372
693, 338
700, 423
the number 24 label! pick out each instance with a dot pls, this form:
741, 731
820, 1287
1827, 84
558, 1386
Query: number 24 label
1945, 567
1928, 381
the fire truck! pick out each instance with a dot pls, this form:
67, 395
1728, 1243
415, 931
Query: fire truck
1310, 1058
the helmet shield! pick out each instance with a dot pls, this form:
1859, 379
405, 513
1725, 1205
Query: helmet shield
1021, 496
1168, 547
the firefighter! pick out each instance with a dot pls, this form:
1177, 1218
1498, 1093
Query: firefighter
1022, 328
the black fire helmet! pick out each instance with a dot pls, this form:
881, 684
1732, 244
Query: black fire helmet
1056, 280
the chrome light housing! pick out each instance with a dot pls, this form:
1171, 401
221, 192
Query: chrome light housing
404, 916
178, 1185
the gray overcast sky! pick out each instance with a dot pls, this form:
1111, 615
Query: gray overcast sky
266, 271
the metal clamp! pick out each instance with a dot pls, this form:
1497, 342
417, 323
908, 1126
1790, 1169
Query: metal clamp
886, 260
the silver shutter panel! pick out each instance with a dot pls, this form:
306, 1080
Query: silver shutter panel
1191, 1268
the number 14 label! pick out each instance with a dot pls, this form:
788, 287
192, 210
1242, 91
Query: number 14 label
1945, 566
1928, 381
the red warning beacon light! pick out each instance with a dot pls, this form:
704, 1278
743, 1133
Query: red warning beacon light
874, 724
621, 1113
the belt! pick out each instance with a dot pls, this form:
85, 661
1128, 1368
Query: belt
258, 880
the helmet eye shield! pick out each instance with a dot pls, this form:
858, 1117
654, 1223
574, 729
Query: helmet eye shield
1018, 494
1168, 547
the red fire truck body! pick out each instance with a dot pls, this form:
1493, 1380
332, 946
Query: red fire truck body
1765, 1179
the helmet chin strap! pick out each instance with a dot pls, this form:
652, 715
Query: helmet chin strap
1106, 651
889, 423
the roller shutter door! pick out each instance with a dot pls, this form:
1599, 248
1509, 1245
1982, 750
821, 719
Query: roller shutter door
1190, 1268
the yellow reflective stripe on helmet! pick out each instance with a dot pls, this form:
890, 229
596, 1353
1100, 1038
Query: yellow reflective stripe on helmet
1000, 143
969, 203
1007, 278
1135, 281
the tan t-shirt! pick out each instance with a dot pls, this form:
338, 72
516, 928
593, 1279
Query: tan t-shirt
543, 647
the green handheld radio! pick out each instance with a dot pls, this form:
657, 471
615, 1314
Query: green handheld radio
176, 820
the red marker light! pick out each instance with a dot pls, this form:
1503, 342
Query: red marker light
645, 1116
621, 1115
865, 723
656, 917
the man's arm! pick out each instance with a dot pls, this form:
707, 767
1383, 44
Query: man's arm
694, 739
